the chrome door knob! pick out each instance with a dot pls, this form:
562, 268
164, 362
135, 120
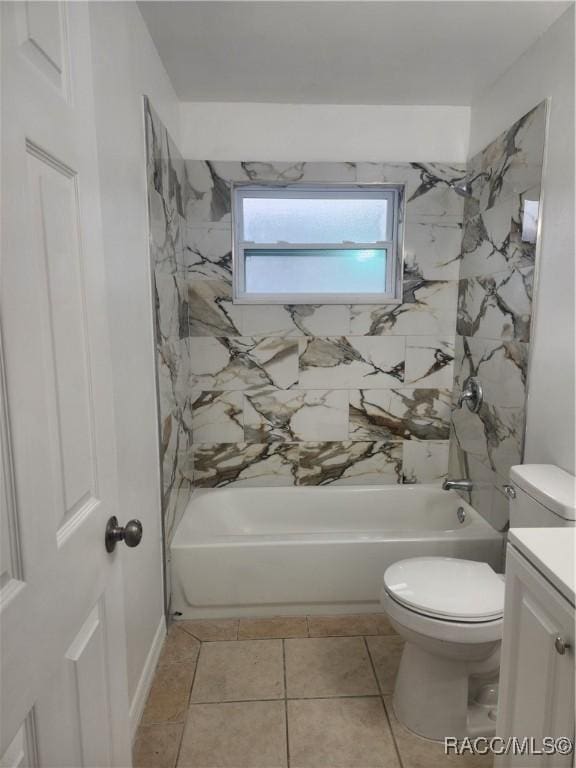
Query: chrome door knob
130, 534
561, 645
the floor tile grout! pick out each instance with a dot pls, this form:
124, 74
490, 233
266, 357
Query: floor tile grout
399, 756
267, 701
188, 705
286, 704
292, 637
306, 635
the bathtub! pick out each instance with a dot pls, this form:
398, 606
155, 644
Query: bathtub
280, 551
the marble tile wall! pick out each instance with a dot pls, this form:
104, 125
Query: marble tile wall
285, 395
168, 194
297, 394
495, 310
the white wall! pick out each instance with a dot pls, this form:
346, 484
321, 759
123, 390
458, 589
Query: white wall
126, 66
546, 70
321, 132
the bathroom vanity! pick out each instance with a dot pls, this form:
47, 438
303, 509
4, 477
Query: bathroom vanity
537, 667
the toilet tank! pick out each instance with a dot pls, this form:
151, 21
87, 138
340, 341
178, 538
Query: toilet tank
545, 497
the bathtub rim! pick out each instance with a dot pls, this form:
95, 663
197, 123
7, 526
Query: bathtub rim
476, 527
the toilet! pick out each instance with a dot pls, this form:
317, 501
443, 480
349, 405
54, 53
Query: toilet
450, 613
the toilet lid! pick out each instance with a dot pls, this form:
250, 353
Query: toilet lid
445, 587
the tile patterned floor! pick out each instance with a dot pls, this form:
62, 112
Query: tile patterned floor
288, 692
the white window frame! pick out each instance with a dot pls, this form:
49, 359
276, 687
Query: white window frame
394, 193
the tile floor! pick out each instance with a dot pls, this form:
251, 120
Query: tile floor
301, 692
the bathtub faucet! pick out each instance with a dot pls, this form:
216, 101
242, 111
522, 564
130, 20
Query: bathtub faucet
457, 485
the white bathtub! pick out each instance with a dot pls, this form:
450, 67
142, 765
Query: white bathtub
274, 551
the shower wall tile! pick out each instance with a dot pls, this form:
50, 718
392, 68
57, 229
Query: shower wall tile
351, 362
242, 363
497, 306
425, 461
487, 496
210, 309
501, 237
316, 463
494, 433
432, 248
495, 309
427, 185
304, 402
168, 193
296, 320
511, 164
217, 417
502, 367
172, 372
428, 309
407, 413
284, 395
218, 464
350, 463
171, 314
429, 361
288, 416
208, 252
264, 394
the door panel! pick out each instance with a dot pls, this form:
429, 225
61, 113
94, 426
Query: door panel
73, 719
22, 752
54, 222
63, 660
10, 549
41, 31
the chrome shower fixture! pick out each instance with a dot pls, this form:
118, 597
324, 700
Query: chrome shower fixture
472, 394
463, 187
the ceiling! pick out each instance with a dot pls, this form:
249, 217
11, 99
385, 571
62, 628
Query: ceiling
404, 52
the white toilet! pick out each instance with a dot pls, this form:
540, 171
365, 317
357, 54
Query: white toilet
449, 612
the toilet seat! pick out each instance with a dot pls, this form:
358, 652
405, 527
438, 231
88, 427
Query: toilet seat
464, 633
447, 589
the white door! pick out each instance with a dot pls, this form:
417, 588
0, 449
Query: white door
537, 672
64, 694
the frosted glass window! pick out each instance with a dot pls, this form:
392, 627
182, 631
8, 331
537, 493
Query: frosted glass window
306, 244
309, 220
315, 271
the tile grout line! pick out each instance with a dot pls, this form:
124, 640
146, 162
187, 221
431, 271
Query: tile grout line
398, 755
286, 702
285, 698
188, 706
296, 637
282, 698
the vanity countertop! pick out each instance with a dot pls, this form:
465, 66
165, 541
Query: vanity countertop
552, 552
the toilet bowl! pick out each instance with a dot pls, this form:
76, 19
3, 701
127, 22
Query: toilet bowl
449, 612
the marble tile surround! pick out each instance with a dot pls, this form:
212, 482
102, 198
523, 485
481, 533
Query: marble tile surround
495, 309
269, 395
298, 394
168, 193
277, 386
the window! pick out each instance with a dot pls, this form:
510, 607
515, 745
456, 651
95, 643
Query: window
304, 244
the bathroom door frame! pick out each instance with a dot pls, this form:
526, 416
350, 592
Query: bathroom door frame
64, 695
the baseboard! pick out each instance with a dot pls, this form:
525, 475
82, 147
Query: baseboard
141, 693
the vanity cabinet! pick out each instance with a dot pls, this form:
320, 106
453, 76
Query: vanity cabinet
536, 694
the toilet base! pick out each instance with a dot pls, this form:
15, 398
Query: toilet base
432, 695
